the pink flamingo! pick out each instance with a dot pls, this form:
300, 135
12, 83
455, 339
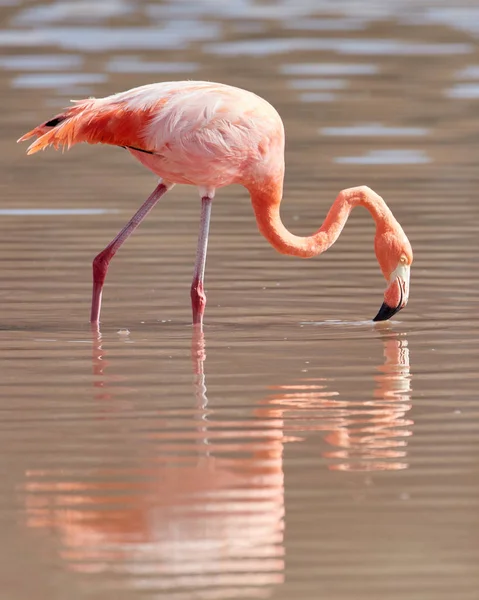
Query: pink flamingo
211, 135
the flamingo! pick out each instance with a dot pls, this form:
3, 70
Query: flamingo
212, 135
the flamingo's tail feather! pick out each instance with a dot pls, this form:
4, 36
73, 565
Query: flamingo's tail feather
65, 129
93, 121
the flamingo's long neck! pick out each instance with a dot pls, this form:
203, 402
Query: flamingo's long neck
266, 200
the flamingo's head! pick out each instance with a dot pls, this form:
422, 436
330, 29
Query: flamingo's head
394, 254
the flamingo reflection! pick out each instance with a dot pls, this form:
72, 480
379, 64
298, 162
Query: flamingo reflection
203, 509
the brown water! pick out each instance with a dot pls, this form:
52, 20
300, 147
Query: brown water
313, 454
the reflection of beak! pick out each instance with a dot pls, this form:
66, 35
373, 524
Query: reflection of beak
396, 295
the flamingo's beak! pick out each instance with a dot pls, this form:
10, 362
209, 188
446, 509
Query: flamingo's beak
396, 294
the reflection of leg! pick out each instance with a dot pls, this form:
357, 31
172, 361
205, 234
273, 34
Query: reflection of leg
198, 356
99, 364
97, 354
198, 297
102, 260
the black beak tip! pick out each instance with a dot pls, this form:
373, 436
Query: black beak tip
386, 312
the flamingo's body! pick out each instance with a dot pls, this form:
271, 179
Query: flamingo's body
212, 135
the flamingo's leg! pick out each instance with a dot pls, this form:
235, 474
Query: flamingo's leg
101, 262
198, 297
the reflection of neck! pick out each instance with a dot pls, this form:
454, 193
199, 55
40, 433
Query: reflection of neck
395, 383
378, 442
365, 435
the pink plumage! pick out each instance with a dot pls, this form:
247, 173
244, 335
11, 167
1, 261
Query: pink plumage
199, 133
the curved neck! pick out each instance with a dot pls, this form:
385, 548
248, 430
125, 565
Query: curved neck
266, 200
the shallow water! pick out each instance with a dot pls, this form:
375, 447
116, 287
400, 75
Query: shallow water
298, 450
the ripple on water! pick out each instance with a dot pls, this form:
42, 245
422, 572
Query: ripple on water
41, 62
247, 9
463, 91
50, 212
373, 130
136, 64
81, 11
325, 69
469, 72
460, 17
330, 24
386, 157
174, 35
64, 81
317, 97
318, 84
382, 47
